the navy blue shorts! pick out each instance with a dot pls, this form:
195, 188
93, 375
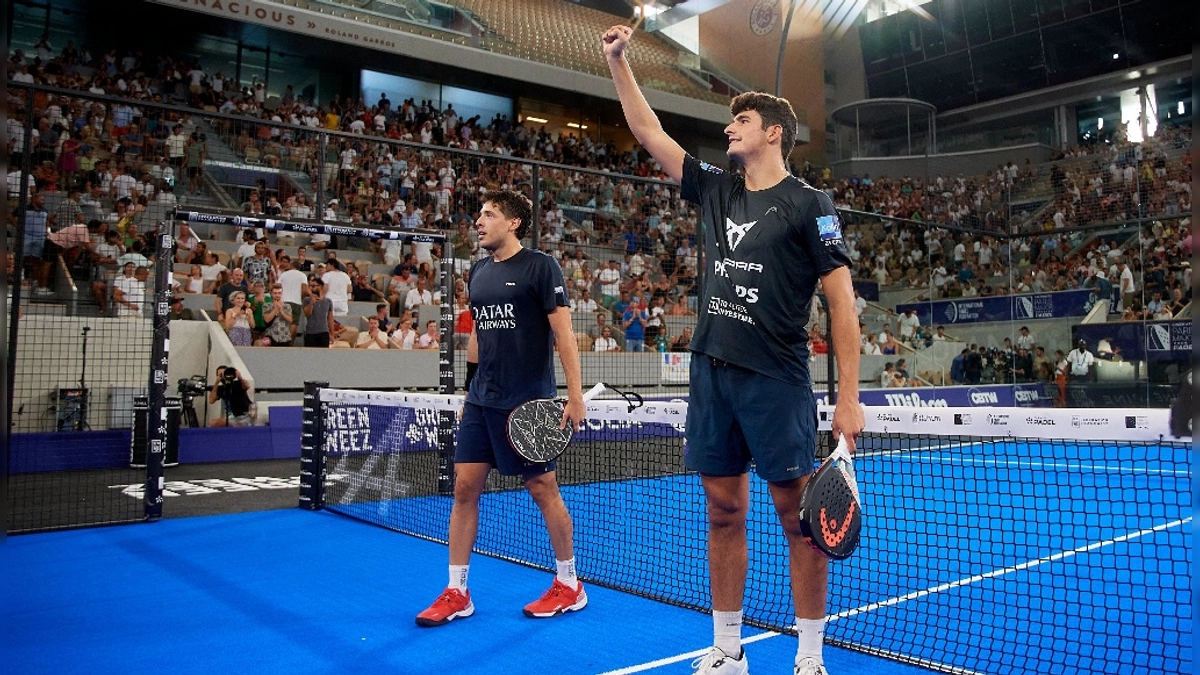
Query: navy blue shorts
483, 438
736, 415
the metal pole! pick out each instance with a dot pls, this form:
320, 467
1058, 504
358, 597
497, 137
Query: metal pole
14, 310
787, 24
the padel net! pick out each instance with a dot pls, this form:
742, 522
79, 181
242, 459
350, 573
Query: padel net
1001, 540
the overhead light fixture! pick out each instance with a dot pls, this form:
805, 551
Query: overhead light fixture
575, 125
539, 120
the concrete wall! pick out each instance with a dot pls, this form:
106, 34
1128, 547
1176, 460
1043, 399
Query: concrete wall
289, 368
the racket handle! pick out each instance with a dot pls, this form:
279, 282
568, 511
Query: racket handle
843, 447
593, 392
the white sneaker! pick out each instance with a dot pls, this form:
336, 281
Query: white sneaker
809, 666
42, 291
717, 662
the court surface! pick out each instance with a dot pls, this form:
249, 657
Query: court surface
290, 591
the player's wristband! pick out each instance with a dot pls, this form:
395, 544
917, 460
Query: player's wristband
471, 368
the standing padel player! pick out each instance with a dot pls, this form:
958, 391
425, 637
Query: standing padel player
769, 237
519, 303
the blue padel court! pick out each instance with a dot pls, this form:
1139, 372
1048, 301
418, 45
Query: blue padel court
981, 557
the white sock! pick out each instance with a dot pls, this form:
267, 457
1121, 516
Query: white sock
566, 573
812, 637
458, 576
727, 632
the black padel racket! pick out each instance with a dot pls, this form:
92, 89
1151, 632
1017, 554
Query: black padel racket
830, 508
533, 427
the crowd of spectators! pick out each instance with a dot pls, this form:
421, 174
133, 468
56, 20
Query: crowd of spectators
628, 249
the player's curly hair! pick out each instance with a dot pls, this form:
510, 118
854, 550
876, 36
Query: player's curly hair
773, 110
513, 205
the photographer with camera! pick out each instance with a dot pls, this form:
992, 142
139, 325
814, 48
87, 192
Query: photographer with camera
236, 408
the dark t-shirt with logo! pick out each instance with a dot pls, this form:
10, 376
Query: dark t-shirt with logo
765, 251
511, 301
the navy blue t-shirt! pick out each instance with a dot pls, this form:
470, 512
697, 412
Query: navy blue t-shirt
765, 251
511, 301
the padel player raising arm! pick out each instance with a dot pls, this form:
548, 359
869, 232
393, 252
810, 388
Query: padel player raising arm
519, 302
770, 237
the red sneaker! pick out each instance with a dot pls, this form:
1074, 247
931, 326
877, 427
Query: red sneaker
560, 599
451, 604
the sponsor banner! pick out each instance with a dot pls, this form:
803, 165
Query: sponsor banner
675, 366
1061, 423
1005, 308
296, 20
935, 397
1142, 341
362, 423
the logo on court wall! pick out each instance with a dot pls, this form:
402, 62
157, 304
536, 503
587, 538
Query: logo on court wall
763, 16
963, 419
1137, 422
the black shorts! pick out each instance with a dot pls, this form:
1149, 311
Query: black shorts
483, 438
736, 415
316, 339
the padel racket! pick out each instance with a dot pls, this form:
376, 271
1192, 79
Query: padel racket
533, 427
830, 508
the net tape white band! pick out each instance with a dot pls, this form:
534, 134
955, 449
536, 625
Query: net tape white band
1068, 423
617, 410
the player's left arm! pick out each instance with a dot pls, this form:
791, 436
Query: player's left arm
568, 354
839, 291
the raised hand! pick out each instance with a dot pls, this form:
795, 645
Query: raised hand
615, 40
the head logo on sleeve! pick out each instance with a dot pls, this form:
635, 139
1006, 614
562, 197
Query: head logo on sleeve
830, 230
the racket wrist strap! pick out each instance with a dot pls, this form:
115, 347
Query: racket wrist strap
471, 368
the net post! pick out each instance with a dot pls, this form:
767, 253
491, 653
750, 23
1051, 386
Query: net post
156, 388
312, 433
446, 383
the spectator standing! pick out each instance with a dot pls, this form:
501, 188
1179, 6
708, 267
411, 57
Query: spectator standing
280, 321
239, 320
338, 287
318, 309
634, 320
1080, 362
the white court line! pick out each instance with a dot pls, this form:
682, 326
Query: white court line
1007, 570
650, 665
1058, 465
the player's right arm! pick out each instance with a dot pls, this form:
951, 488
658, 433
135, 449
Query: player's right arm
639, 116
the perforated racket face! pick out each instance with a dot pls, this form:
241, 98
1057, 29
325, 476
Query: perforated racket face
830, 513
533, 430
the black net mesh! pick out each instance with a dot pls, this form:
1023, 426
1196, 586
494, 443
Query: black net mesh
981, 529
